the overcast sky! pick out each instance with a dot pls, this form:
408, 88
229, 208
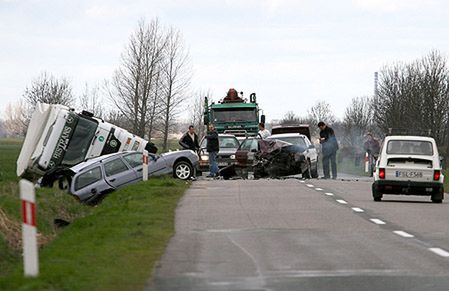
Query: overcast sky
292, 53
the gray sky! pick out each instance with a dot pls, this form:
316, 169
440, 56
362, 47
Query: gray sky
292, 53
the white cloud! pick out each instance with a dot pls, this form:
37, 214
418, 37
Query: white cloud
391, 5
107, 11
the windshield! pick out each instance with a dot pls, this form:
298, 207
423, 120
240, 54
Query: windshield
245, 114
79, 143
410, 147
296, 140
224, 142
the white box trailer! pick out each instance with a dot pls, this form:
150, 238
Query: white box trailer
59, 138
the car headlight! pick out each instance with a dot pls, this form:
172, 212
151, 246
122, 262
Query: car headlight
232, 157
205, 157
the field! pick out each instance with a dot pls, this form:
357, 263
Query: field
133, 223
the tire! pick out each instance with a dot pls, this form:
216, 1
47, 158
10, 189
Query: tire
64, 182
308, 172
314, 171
438, 198
183, 170
376, 195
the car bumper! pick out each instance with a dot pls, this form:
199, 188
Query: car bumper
408, 187
203, 165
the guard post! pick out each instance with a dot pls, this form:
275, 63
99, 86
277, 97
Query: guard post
145, 166
29, 232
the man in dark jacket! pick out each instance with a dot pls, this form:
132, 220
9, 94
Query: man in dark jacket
212, 148
189, 141
329, 147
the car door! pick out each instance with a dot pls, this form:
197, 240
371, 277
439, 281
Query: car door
118, 173
89, 183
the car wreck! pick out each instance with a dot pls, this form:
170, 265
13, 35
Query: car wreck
271, 158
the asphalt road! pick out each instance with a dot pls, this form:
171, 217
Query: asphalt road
304, 235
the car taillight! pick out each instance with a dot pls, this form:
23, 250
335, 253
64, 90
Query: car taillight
436, 175
381, 173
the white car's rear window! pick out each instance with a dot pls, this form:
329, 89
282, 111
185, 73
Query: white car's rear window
410, 147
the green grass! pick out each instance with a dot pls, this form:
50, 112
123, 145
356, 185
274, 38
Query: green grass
114, 247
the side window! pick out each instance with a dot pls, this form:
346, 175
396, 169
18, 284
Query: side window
135, 146
134, 159
114, 167
87, 178
254, 145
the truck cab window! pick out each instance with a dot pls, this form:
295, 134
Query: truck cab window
79, 144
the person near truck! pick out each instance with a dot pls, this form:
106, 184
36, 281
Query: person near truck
372, 147
212, 148
329, 147
189, 141
263, 132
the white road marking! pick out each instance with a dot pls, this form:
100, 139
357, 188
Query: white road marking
440, 252
310, 185
341, 201
403, 233
302, 181
377, 221
318, 189
356, 209
329, 194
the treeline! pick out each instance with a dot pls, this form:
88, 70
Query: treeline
410, 98
145, 94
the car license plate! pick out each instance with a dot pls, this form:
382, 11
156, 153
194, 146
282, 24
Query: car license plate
408, 174
222, 163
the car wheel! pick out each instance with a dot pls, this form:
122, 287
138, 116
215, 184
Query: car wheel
183, 170
438, 198
376, 195
314, 171
64, 182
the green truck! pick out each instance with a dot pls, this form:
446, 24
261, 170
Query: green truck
234, 115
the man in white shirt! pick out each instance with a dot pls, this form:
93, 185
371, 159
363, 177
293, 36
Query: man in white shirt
263, 132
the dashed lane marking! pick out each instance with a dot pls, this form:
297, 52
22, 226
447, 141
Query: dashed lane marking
377, 221
356, 209
319, 189
329, 194
440, 252
310, 185
403, 233
341, 201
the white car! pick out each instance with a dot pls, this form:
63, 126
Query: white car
307, 149
409, 165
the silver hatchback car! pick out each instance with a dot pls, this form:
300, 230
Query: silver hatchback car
95, 178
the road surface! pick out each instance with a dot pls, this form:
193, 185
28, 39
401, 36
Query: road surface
304, 235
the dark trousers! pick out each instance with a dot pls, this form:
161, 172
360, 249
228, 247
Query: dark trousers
332, 159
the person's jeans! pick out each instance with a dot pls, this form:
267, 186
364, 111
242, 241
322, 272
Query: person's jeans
213, 165
332, 158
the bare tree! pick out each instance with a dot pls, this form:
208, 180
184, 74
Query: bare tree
133, 86
290, 118
414, 98
321, 111
196, 110
91, 101
16, 119
48, 89
357, 121
175, 77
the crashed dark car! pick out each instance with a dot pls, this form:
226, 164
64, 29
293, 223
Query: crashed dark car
276, 158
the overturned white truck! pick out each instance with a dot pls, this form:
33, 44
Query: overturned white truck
59, 138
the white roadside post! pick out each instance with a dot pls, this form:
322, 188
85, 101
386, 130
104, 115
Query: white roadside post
366, 163
145, 166
29, 232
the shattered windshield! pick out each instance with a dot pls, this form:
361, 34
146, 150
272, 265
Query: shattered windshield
80, 142
244, 114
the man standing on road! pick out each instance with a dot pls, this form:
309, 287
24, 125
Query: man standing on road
212, 148
263, 132
372, 147
189, 141
329, 147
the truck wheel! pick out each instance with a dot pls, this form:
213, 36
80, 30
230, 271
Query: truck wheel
182, 170
64, 182
376, 195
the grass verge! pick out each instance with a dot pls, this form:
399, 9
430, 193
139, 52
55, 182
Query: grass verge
114, 247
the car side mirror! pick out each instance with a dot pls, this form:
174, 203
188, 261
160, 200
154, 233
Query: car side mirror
442, 162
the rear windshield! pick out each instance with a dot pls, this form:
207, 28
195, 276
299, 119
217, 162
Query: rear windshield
410, 147
296, 140
224, 142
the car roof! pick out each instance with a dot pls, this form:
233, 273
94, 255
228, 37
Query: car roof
409, 137
95, 160
286, 135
